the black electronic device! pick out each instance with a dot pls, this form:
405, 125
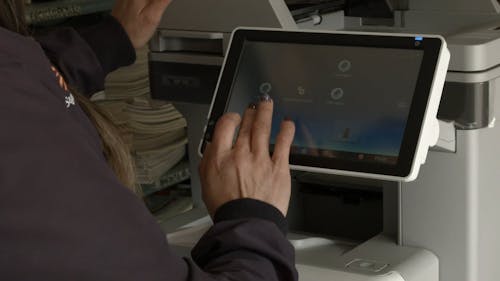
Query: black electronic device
364, 104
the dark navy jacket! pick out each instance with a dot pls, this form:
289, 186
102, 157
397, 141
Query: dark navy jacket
63, 213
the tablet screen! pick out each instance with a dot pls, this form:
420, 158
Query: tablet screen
360, 101
349, 103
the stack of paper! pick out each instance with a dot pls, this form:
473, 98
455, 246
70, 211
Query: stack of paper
159, 137
129, 82
155, 130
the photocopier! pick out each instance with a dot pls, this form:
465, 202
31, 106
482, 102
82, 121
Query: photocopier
443, 226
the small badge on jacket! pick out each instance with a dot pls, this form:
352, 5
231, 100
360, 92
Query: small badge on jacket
70, 100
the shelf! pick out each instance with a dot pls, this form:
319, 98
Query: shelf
58, 10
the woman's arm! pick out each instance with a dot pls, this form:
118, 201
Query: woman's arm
86, 56
247, 242
65, 216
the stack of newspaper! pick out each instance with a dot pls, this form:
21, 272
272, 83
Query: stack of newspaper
155, 130
158, 137
131, 81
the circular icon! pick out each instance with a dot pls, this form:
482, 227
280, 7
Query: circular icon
301, 91
265, 88
344, 65
337, 94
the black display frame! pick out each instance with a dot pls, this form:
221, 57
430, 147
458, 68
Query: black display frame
431, 47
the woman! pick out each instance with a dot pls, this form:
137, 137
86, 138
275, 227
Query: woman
65, 213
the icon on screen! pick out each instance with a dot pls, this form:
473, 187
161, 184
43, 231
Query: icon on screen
265, 88
301, 91
337, 94
346, 134
345, 65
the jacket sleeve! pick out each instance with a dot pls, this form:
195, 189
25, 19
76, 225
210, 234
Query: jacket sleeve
86, 56
246, 243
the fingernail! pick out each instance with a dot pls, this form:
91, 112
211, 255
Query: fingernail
265, 98
252, 106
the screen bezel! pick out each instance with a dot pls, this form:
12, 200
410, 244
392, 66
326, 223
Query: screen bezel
431, 50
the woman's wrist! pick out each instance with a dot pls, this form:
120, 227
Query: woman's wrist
110, 43
247, 208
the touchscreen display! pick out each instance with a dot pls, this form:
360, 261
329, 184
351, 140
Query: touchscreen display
350, 103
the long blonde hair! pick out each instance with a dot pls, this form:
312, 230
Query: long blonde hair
115, 149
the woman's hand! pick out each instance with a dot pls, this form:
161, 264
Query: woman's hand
246, 170
139, 18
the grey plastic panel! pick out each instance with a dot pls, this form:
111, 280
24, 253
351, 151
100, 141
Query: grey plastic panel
475, 48
183, 82
464, 6
489, 198
191, 42
225, 15
438, 210
453, 207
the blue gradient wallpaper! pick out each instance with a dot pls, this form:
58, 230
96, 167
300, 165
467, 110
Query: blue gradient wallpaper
342, 98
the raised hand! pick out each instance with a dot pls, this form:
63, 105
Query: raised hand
246, 170
139, 18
